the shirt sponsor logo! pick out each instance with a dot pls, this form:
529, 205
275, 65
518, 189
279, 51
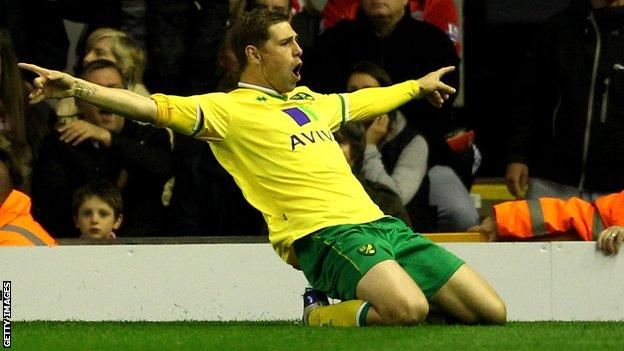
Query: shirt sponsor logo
311, 137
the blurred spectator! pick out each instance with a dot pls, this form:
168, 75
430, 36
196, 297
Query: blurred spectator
382, 34
183, 40
205, 198
601, 220
101, 145
17, 226
351, 138
440, 13
283, 6
113, 45
22, 127
566, 137
307, 24
38, 29
395, 155
98, 210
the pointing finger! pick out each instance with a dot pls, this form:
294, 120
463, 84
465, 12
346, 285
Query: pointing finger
444, 70
32, 68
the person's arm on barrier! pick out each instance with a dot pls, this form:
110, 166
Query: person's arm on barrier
517, 179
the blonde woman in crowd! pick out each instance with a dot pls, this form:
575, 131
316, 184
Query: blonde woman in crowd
116, 46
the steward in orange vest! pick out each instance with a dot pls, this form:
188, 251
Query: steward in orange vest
602, 220
17, 226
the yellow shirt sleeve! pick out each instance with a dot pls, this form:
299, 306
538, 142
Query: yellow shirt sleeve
372, 102
196, 116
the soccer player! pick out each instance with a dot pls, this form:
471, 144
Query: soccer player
276, 141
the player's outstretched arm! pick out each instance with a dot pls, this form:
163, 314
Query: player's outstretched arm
52, 84
433, 89
372, 102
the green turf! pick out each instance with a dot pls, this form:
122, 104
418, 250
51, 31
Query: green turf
561, 336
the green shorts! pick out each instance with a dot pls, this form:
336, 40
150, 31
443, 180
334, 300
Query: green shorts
334, 259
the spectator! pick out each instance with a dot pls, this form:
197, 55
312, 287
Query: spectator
17, 226
566, 136
47, 42
98, 210
102, 145
22, 127
381, 34
440, 13
601, 220
283, 6
183, 40
351, 138
113, 45
307, 23
395, 155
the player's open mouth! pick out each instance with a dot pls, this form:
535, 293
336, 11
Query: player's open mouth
297, 71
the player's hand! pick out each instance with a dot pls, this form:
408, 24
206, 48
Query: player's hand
487, 227
377, 130
433, 89
517, 179
75, 132
610, 240
49, 84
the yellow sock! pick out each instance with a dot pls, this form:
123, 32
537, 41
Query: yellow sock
350, 313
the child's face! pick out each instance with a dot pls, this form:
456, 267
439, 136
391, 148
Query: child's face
96, 219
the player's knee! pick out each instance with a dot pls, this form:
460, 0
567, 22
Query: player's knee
497, 313
408, 312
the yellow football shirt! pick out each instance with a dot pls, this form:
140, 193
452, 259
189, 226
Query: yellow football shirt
281, 151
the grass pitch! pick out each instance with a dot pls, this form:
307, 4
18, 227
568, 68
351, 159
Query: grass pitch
561, 336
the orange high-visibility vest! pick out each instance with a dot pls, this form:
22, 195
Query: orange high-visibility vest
18, 227
549, 216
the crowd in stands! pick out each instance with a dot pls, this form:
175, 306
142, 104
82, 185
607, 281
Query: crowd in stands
91, 174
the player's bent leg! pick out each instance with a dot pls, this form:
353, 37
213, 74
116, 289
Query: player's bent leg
394, 297
469, 298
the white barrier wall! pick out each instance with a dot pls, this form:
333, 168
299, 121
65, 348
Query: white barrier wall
539, 281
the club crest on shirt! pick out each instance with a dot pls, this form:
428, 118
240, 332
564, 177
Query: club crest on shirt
302, 96
367, 250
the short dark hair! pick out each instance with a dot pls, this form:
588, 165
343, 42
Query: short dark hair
374, 70
104, 189
101, 64
252, 28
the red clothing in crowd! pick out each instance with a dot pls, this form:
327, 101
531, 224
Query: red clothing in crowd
440, 13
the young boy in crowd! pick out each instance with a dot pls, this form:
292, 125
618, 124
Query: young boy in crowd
97, 208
